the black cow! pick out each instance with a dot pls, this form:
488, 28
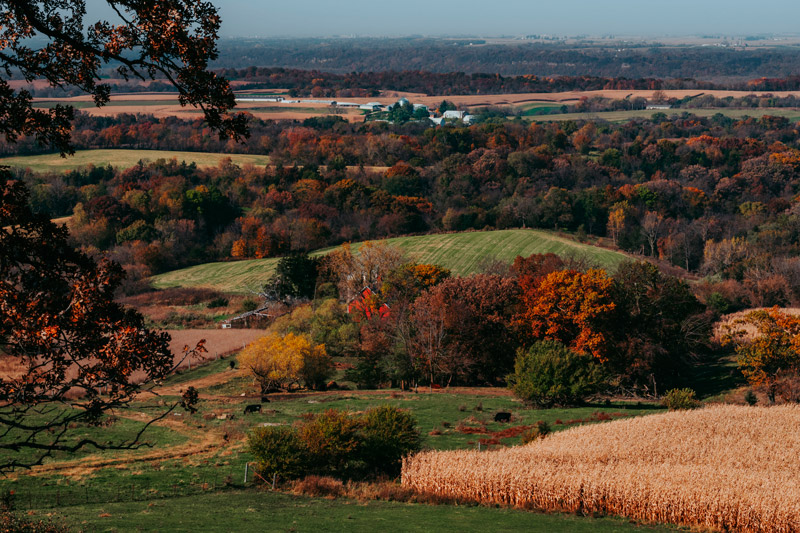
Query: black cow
502, 416
254, 408
264, 399
232, 364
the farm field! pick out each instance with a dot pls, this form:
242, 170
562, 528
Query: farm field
161, 105
623, 116
460, 252
195, 464
124, 159
730, 468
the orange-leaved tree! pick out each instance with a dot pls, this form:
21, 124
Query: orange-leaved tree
567, 306
768, 346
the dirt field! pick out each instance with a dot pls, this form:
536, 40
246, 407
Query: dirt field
219, 342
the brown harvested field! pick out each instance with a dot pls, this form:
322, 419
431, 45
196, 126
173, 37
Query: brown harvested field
729, 468
218, 341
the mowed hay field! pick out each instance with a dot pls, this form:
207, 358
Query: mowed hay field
731, 468
462, 253
123, 159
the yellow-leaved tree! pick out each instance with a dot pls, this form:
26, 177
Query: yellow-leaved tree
284, 361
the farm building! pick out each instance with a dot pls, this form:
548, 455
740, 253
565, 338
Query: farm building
365, 304
658, 106
458, 115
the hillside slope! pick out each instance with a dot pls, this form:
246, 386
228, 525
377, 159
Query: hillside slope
460, 252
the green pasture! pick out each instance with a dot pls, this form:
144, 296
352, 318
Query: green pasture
122, 158
260, 511
460, 252
168, 492
624, 116
539, 108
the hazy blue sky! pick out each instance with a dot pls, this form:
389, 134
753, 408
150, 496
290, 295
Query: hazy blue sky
501, 17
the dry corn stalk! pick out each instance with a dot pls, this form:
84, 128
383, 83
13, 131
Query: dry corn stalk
723, 467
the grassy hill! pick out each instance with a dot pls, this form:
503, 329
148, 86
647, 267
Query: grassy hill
122, 159
460, 252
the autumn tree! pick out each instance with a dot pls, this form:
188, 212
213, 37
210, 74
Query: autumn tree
172, 40
767, 343
460, 330
570, 307
364, 268
71, 350
60, 325
281, 362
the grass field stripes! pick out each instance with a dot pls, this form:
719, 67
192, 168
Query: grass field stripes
462, 253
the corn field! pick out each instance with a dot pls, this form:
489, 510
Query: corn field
723, 467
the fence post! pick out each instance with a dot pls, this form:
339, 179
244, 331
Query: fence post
274, 478
479, 445
246, 468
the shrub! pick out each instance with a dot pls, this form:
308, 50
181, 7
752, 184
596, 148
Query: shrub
278, 451
334, 443
549, 373
750, 398
190, 399
331, 440
539, 431
217, 302
389, 434
249, 304
317, 486
676, 399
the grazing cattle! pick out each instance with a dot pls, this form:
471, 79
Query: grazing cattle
254, 408
264, 399
502, 417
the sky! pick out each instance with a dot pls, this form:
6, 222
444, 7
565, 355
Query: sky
323, 18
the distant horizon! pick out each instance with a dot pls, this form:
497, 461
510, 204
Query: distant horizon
505, 18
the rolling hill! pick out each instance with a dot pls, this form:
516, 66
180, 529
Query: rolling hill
460, 252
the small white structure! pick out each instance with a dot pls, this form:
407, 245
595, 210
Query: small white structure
457, 115
260, 99
469, 119
658, 106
